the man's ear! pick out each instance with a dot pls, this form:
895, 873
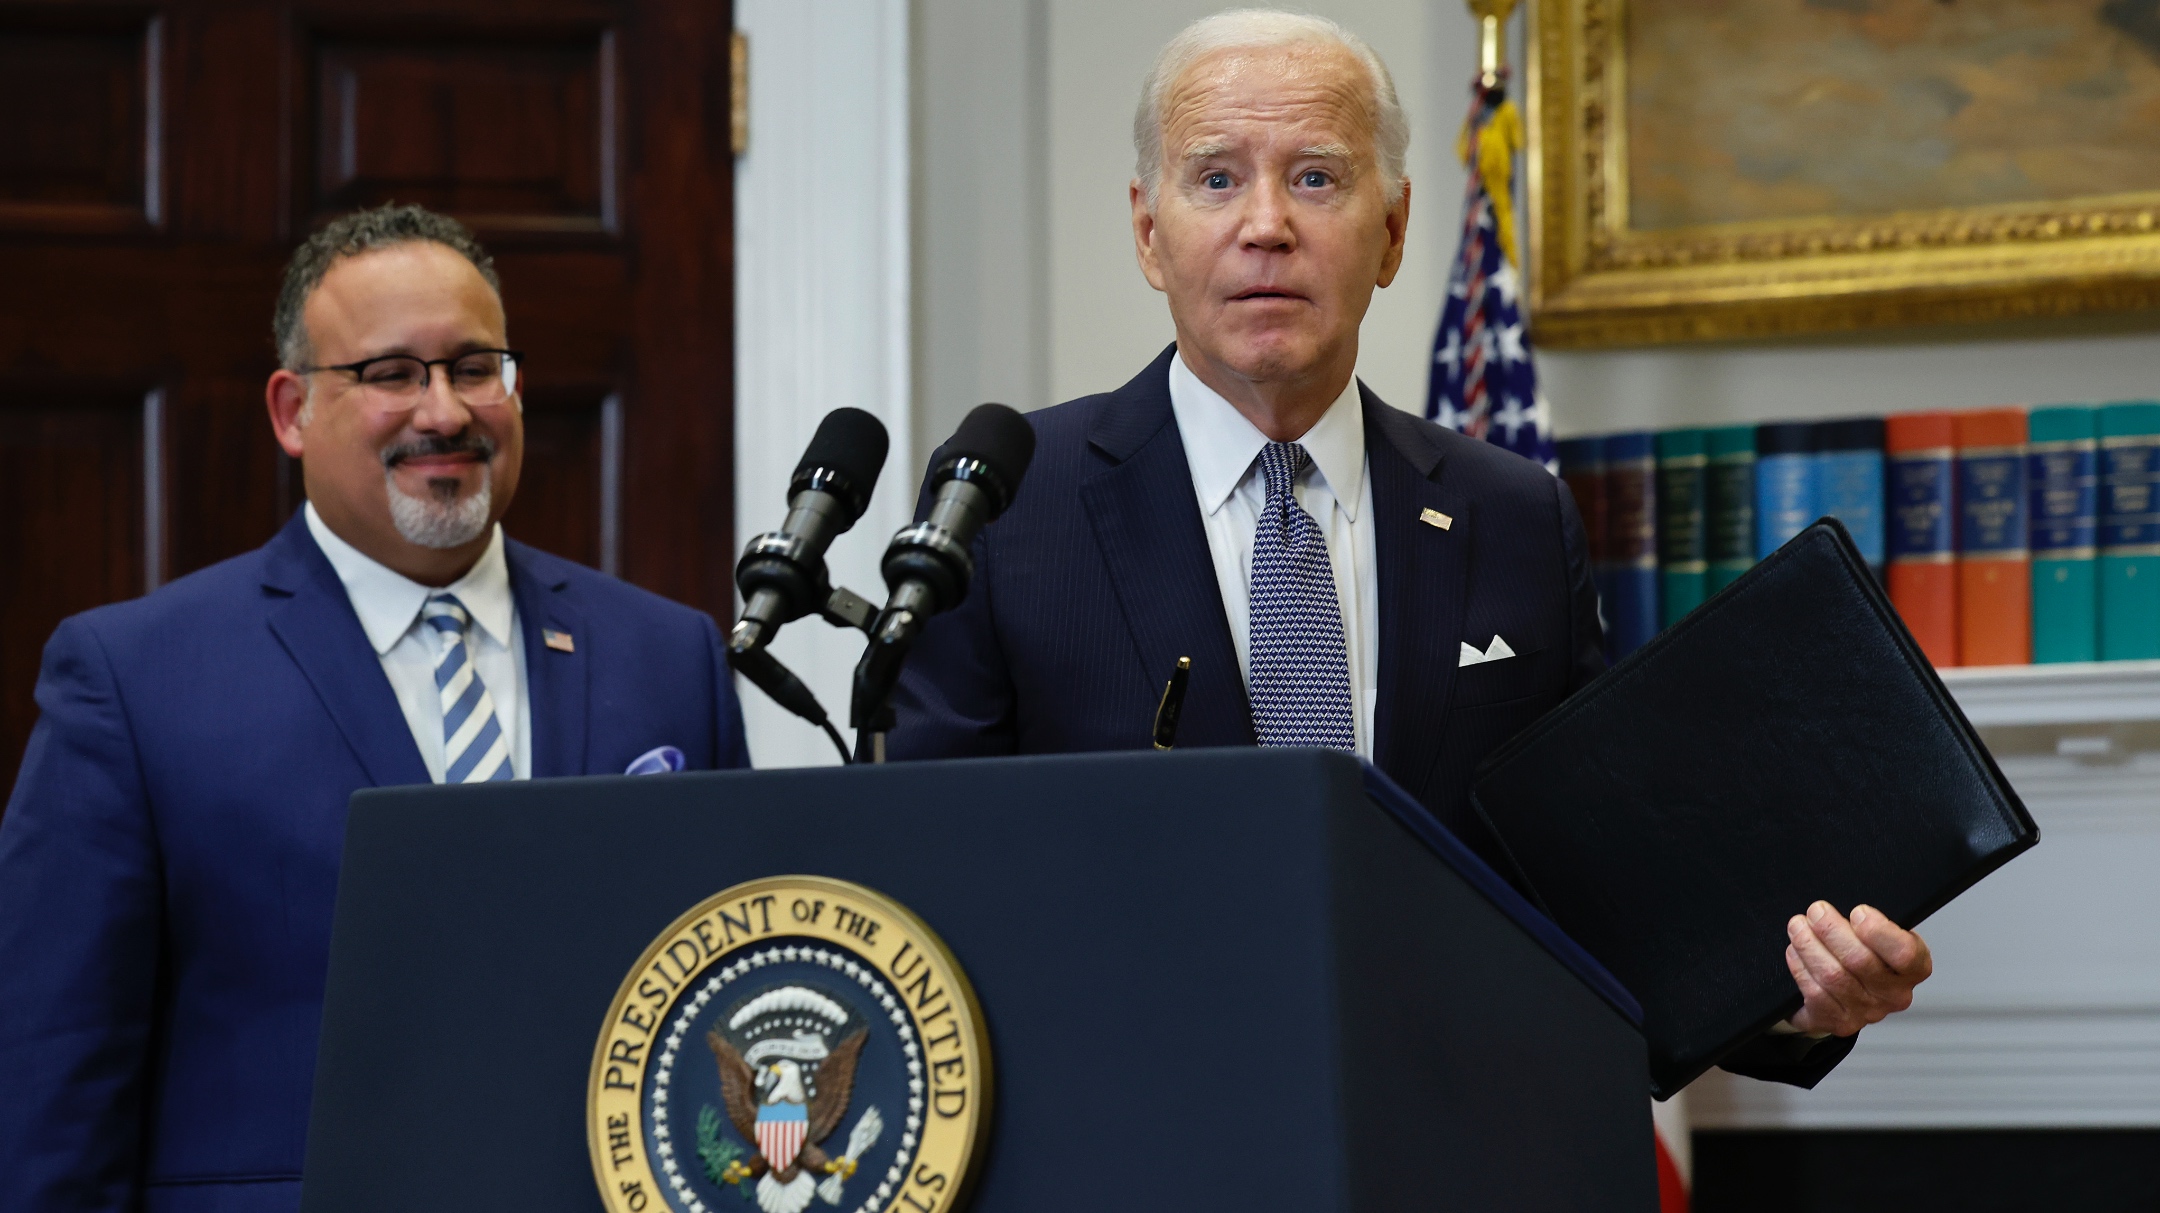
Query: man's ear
1398, 229
1143, 235
286, 395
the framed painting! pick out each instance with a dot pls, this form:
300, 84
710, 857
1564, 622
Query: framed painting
1730, 169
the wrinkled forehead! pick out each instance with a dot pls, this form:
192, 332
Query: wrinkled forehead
1248, 98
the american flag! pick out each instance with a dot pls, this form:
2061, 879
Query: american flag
1483, 382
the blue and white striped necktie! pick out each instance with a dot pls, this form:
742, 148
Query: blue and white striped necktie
1298, 664
474, 748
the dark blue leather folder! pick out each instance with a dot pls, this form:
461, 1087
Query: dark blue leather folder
1786, 742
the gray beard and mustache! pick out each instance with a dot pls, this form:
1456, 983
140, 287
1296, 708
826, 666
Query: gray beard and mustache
440, 519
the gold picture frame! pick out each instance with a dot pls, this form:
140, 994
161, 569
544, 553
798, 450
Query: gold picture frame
1597, 281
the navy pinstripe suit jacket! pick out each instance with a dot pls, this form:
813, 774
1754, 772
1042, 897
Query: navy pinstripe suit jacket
1094, 583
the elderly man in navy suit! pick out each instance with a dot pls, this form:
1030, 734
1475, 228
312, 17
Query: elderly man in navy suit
1328, 562
170, 854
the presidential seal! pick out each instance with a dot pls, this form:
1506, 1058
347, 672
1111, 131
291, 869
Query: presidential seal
789, 1043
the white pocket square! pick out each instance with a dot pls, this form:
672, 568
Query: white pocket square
1493, 652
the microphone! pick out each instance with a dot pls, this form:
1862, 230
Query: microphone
782, 573
927, 566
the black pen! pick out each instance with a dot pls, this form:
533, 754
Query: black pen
1173, 702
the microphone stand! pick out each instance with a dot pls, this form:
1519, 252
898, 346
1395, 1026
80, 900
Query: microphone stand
843, 608
891, 633
870, 738
847, 609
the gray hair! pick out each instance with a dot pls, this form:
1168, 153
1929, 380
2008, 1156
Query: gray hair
1255, 28
349, 236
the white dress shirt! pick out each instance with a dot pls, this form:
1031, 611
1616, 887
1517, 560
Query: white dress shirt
1223, 450
389, 603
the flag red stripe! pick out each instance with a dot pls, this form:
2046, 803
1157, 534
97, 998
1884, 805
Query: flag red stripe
1672, 1193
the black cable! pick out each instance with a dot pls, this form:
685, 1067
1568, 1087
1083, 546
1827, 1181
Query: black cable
838, 744
784, 688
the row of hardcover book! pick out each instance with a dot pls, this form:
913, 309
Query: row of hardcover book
2004, 535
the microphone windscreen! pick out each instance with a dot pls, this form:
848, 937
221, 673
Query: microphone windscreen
852, 443
1000, 437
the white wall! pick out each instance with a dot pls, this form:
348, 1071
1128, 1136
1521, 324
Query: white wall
822, 306
982, 152
1639, 389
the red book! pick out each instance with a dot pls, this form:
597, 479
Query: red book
1920, 451
1994, 553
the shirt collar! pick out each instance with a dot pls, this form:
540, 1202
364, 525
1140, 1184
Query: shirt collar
1221, 445
388, 602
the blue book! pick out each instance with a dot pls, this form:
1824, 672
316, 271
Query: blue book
2062, 514
1849, 482
1631, 539
1785, 494
2130, 531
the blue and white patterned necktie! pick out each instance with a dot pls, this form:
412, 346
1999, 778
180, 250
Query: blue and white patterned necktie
1299, 664
474, 748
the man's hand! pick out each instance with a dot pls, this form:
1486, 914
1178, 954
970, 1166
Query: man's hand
1852, 972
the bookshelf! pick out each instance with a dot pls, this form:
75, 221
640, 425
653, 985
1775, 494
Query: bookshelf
2098, 692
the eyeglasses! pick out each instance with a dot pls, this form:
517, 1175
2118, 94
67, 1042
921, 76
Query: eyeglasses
478, 377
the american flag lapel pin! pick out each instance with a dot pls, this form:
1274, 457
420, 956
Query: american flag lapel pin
1433, 517
558, 641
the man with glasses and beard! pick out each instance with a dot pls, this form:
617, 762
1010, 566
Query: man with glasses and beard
170, 853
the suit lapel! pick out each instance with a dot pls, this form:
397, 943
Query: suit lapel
1424, 576
1147, 525
319, 631
557, 682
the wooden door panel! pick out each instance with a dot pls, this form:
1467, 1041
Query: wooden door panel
509, 134
678, 514
568, 491
568, 310
197, 319
75, 454
228, 491
227, 127
78, 102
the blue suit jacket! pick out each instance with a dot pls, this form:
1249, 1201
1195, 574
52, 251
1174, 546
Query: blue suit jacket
1098, 578
169, 857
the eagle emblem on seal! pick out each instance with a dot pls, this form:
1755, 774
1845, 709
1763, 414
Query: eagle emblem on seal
787, 1092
